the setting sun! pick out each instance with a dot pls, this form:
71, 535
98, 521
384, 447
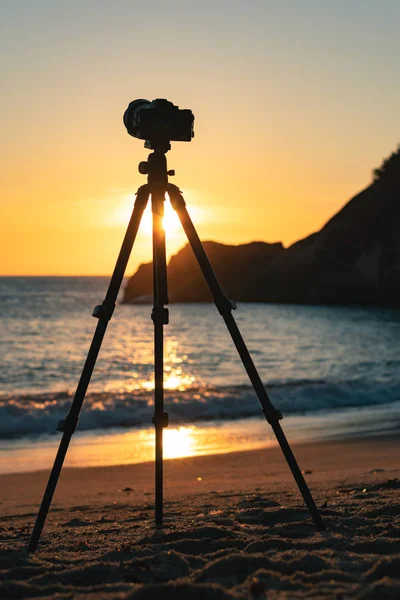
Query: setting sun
123, 212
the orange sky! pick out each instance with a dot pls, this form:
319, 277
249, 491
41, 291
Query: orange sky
292, 114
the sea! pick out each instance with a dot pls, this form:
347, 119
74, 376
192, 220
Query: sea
333, 372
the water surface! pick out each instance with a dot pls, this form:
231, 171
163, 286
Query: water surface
328, 369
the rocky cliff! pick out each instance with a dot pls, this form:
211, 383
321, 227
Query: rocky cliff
234, 266
354, 258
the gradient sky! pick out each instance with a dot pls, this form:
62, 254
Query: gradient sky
296, 101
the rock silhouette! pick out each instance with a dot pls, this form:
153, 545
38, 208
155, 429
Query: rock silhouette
353, 259
234, 266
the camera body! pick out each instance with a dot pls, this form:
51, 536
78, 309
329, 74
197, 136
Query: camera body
159, 121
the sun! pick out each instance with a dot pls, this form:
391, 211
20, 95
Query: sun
123, 212
171, 221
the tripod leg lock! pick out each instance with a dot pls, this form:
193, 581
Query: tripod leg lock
103, 311
225, 305
161, 420
68, 425
175, 196
160, 315
273, 415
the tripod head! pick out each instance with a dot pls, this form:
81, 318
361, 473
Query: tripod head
155, 167
158, 123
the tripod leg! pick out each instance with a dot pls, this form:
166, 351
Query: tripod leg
225, 306
103, 313
160, 318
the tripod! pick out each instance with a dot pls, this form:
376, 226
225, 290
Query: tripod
157, 187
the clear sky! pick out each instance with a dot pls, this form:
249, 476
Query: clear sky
296, 101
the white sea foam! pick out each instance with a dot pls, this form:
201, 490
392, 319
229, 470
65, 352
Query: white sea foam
37, 414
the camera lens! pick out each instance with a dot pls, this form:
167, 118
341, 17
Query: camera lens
132, 117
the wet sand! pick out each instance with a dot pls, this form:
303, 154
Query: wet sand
235, 527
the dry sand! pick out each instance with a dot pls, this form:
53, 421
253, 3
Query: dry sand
235, 527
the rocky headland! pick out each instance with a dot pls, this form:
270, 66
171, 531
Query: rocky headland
353, 259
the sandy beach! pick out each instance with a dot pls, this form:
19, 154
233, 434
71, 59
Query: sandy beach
235, 527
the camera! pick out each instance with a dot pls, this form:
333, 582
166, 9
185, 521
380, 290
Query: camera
159, 121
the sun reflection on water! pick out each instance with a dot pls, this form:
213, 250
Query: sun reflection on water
175, 381
174, 377
179, 442
136, 446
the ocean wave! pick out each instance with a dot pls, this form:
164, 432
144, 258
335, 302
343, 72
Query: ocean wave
36, 414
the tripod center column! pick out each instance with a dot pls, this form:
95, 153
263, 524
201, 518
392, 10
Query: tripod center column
158, 180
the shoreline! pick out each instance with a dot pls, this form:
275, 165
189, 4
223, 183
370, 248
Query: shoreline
324, 455
124, 446
387, 436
